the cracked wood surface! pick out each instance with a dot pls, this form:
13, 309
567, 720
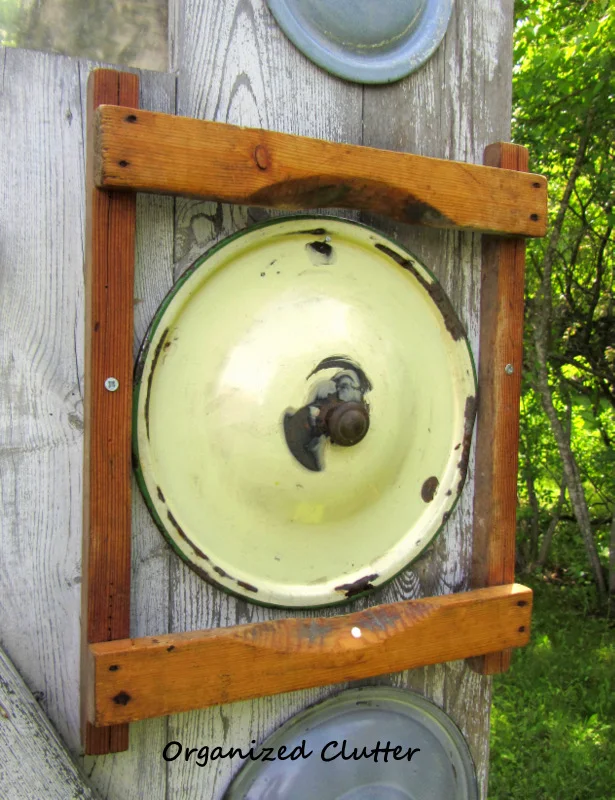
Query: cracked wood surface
34, 762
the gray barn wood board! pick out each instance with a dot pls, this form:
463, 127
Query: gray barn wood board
233, 64
33, 760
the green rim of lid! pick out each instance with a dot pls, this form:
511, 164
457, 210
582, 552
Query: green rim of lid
204, 539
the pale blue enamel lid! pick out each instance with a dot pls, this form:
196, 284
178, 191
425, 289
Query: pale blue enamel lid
365, 41
440, 766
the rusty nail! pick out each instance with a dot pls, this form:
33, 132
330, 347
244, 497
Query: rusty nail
112, 384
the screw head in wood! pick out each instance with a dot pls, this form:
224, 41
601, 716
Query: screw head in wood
509, 369
112, 384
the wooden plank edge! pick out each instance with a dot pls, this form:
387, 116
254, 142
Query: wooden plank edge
501, 355
135, 679
33, 754
160, 153
110, 230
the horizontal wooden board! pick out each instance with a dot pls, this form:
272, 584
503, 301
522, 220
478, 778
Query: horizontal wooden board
160, 153
132, 679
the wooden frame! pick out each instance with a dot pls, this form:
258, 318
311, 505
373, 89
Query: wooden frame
128, 150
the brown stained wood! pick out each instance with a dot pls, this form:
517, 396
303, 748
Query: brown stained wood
139, 678
153, 152
109, 279
499, 380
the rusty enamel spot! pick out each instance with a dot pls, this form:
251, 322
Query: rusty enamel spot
429, 488
157, 352
320, 253
357, 587
469, 416
435, 291
247, 586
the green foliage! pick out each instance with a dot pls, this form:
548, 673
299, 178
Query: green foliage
9, 15
564, 89
553, 715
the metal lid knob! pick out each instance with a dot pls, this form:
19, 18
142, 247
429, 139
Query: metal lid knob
348, 423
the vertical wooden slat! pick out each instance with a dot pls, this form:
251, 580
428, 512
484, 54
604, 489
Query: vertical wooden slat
109, 279
499, 380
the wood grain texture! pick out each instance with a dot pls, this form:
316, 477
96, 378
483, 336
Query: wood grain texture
234, 65
41, 363
109, 289
42, 127
139, 678
140, 772
34, 759
160, 153
497, 441
453, 108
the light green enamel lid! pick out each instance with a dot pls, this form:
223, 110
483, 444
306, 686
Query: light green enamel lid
244, 365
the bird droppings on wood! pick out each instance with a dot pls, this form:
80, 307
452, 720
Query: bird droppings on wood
429, 489
357, 587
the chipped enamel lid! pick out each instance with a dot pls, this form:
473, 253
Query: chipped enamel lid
373, 743
304, 403
363, 40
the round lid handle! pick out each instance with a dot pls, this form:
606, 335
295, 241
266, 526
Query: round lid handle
347, 423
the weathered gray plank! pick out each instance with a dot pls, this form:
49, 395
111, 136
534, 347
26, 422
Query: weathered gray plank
33, 760
235, 66
41, 363
459, 102
41, 415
